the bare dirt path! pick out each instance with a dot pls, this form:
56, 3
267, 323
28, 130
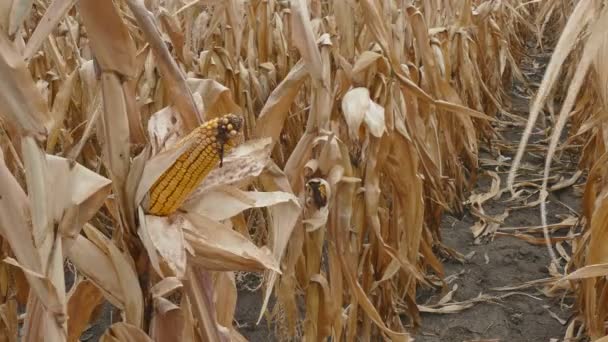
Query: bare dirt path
504, 261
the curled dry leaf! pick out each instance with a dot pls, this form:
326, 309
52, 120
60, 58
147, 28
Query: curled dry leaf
16, 229
176, 82
358, 107
217, 99
109, 36
284, 219
83, 299
199, 290
165, 127
225, 296
243, 164
374, 119
168, 239
355, 104
110, 271
276, 109
217, 247
589, 271
124, 332
224, 202
166, 287
167, 321
73, 206
304, 40
23, 106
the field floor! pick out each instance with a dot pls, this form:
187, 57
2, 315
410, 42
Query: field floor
491, 298
501, 260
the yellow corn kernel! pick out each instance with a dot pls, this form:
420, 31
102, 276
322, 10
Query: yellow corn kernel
213, 139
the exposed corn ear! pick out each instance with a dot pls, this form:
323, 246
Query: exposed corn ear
213, 138
316, 191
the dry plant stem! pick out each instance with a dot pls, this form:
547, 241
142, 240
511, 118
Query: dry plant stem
53, 15
314, 248
77, 149
48, 243
116, 131
167, 65
199, 292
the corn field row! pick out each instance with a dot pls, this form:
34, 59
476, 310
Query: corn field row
150, 150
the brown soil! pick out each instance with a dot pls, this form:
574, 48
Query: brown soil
507, 261
502, 261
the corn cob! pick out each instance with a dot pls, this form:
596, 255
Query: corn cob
213, 139
317, 192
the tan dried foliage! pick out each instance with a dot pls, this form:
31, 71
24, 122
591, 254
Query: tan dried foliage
577, 76
362, 125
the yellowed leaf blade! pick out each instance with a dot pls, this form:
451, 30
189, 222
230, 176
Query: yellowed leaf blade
23, 104
176, 82
109, 37
167, 237
82, 301
304, 40
217, 247
224, 202
124, 332
53, 15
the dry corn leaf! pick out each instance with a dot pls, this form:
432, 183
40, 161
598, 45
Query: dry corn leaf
24, 106
52, 16
303, 38
355, 104
358, 108
165, 128
165, 287
168, 239
8, 314
217, 247
77, 204
83, 299
167, 321
225, 296
274, 113
172, 75
200, 293
124, 332
589, 271
19, 12
109, 36
284, 218
597, 36
216, 98
224, 202
244, 163
580, 16
16, 229
93, 262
